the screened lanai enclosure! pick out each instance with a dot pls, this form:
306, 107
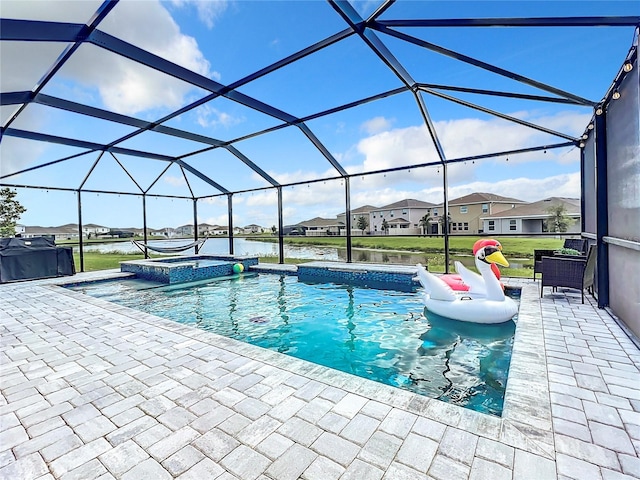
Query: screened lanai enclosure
160, 114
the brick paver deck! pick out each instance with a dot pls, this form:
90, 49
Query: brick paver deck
93, 390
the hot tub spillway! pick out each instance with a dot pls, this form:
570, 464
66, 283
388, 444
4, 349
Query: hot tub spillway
186, 268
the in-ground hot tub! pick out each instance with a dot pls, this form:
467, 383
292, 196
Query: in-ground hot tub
186, 268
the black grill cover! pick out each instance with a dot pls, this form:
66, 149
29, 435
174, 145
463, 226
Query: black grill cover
30, 258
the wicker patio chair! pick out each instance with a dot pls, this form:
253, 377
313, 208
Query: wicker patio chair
569, 272
537, 260
579, 244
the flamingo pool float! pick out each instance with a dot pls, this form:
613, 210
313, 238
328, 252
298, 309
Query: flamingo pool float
491, 307
467, 281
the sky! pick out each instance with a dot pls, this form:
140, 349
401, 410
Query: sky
226, 41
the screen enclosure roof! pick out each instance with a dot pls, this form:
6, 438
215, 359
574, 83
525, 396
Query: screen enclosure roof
227, 97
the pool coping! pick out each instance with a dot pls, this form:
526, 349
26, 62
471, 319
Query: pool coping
526, 422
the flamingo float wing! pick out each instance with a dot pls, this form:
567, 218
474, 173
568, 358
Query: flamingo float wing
472, 279
436, 288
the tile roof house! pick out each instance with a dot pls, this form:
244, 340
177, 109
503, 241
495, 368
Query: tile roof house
63, 232
532, 217
322, 226
253, 228
402, 217
465, 212
355, 213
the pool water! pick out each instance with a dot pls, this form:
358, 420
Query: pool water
382, 335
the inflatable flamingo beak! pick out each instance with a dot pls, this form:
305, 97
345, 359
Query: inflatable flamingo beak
497, 257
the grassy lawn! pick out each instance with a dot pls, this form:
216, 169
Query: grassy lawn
512, 246
104, 261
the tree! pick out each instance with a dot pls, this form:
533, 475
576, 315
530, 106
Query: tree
424, 224
273, 229
362, 223
10, 211
385, 226
441, 222
558, 220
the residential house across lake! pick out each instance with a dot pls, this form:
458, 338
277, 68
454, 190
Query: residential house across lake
533, 217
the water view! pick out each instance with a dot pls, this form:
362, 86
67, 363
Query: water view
244, 246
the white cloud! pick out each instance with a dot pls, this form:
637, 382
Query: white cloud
462, 138
394, 148
218, 200
208, 10
259, 217
23, 64
123, 85
412, 145
222, 220
209, 117
58, 11
385, 196
18, 153
174, 181
302, 203
527, 189
465, 137
376, 125
365, 7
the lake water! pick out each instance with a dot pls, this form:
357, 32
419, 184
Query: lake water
244, 246
241, 246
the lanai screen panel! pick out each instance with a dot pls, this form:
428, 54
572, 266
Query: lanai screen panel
623, 151
623, 178
590, 212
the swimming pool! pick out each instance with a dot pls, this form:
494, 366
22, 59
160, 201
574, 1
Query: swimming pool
382, 335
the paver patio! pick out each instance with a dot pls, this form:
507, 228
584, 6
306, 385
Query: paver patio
94, 390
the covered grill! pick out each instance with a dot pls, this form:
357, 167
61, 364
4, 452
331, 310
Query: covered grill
30, 258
